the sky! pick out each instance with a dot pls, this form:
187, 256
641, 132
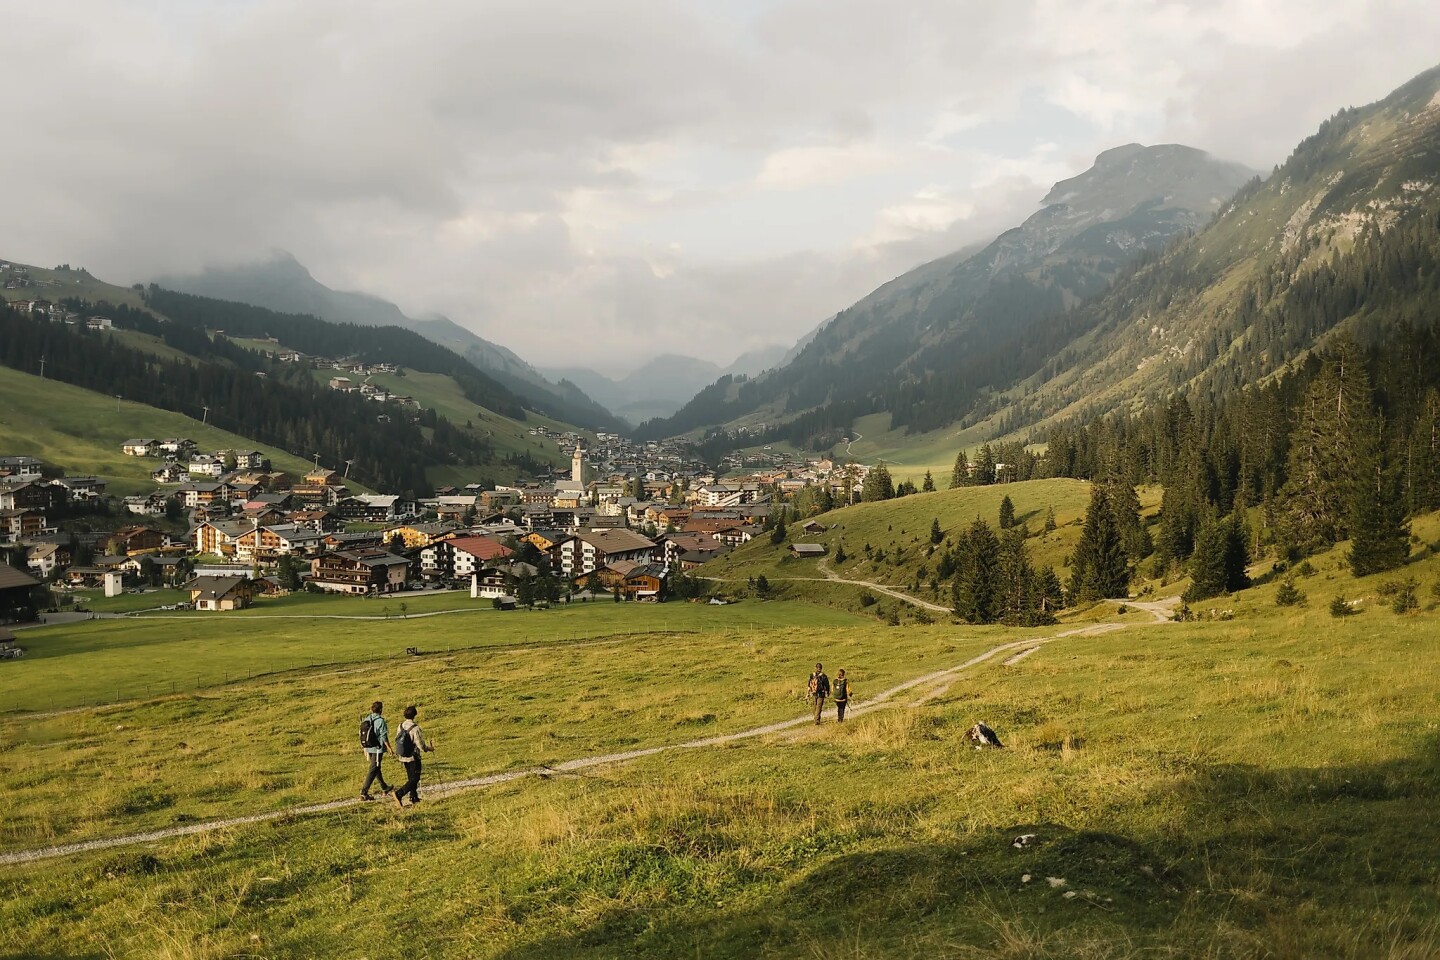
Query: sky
601, 181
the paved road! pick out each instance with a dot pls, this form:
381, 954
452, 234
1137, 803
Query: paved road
930, 686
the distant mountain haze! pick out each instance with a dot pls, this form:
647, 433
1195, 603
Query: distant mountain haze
662, 385
929, 322
283, 284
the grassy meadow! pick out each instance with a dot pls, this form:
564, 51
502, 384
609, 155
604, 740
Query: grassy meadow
82, 431
1261, 786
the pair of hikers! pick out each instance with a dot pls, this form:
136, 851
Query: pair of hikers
409, 744
821, 688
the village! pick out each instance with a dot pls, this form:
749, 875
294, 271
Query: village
628, 522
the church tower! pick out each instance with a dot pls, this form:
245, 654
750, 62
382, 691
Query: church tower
577, 465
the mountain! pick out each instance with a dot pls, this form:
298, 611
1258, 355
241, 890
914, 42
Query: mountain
1133, 201
284, 285
1345, 234
662, 385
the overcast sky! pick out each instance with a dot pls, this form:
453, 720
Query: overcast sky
603, 180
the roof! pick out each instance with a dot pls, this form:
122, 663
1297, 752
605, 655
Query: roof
139, 442
814, 549
373, 558
11, 579
214, 588
482, 548
617, 540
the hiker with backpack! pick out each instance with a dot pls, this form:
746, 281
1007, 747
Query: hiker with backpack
842, 695
409, 744
375, 741
819, 689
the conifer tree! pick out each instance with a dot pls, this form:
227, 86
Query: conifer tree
928, 485
1218, 563
1099, 567
1015, 581
936, 534
1050, 521
985, 466
960, 475
1379, 533
977, 554
1007, 513
878, 485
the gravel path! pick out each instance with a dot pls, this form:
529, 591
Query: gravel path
932, 685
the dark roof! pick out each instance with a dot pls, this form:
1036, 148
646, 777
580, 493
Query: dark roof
11, 578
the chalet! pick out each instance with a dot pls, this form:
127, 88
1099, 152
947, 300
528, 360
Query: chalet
82, 488
343, 384
17, 525
204, 465
494, 581
374, 508
592, 550
324, 478
170, 473
542, 540
734, 536
269, 481
728, 494
218, 537
807, 549
222, 593
245, 459
21, 468
47, 559
135, 539
416, 535
32, 495
693, 559
813, 527
277, 541
568, 493
141, 447
456, 557
455, 509
177, 447
371, 571
318, 495
645, 582
677, 545
99, 323
151, 506
321, 521
203, 494
261, 513
17, 588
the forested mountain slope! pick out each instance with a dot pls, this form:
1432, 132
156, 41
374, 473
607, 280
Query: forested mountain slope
939, 320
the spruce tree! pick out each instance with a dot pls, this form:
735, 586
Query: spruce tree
1379, 533
1050, 521
1099, 567
1015, 581
960, 475
928, 485
1218, 563
985, 466
977, 555
1007, 513
878, 484
936, 534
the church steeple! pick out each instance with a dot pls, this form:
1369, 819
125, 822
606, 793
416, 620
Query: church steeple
577, 465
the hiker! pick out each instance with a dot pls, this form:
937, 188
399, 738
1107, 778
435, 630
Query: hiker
375, 741
409, 744
842, 695
819, 689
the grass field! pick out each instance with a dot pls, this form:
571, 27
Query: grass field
901, 530
105, 661
1256, 787
82, 431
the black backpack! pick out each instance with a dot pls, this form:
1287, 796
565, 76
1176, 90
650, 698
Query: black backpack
369, 738
404, 744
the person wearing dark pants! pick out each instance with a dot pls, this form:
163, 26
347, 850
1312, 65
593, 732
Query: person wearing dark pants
409, 744
375, 740
841, 692
819, 690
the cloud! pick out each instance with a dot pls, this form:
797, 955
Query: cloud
603, 182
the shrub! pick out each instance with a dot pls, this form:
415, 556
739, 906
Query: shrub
1340, 607
1288, 595
868, 599
1306, 569
1406, 600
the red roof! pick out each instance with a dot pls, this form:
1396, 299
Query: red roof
481, 548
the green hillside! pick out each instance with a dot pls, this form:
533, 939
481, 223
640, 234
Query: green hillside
897, 533
83, 431
1255, 785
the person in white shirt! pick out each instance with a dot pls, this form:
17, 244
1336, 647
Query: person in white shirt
409, 744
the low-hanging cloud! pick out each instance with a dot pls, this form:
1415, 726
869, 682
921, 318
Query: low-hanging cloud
605, 182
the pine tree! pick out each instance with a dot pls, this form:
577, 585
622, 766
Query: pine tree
1015, 601
936, 534
1218, 564
977, 554
777, 535
1007, 513
878, 485
1379, 533
1050, 521
985, 466
960, 475
928, 485
1099, 568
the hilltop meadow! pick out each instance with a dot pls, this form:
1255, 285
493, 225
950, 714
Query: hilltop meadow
1255, 782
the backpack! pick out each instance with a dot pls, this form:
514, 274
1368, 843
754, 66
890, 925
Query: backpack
369, 738
404, 744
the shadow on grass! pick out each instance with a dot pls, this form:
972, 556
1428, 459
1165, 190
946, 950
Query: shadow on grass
1298, 862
